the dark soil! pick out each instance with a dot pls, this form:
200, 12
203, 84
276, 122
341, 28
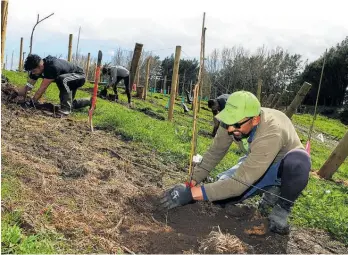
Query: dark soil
102, 193
189, 225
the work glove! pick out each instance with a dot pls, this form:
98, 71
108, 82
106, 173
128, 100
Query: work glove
29, 103
179, 195
13, 95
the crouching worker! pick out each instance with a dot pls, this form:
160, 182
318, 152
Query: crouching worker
115, 74
68, 77
275, 161
216, 106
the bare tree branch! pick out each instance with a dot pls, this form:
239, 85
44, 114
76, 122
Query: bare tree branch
32, 32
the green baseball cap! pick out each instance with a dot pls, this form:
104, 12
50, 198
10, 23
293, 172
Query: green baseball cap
239, 105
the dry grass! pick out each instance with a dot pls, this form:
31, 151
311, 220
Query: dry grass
74, 184
219, 243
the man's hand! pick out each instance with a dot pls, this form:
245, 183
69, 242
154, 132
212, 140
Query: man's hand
22, 91
29, 102
13, 94
179, 195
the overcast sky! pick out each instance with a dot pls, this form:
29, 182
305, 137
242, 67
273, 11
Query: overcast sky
305, 27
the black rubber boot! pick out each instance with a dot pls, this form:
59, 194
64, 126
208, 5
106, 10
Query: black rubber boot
103, 93
65, 102
278, 220
82, 102
268, 200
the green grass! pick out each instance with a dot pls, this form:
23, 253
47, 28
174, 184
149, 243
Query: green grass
323, 205
172, 141
320, 153
14, 241
15, 238
331, 127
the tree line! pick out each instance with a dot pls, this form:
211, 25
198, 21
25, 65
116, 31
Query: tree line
229, 69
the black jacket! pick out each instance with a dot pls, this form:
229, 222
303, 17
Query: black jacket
53, 67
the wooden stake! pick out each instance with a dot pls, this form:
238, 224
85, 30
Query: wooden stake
202, 61
259, 86
177, 88
135, 62
21, 60
194, 132
336, 159
88, 63
298, 99
174, 82
4, 14
77, 46
147, 76
195, 107
137, 75
70, 48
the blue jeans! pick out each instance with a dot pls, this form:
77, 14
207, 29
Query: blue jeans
291, 173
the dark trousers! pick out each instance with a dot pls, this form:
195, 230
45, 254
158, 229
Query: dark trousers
126, 85
291, 174
294, 174
68, 85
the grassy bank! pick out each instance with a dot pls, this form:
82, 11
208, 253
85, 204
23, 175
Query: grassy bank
323, 204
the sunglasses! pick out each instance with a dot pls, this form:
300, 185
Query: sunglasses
238, 125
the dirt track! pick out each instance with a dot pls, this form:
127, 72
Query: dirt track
101, 202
